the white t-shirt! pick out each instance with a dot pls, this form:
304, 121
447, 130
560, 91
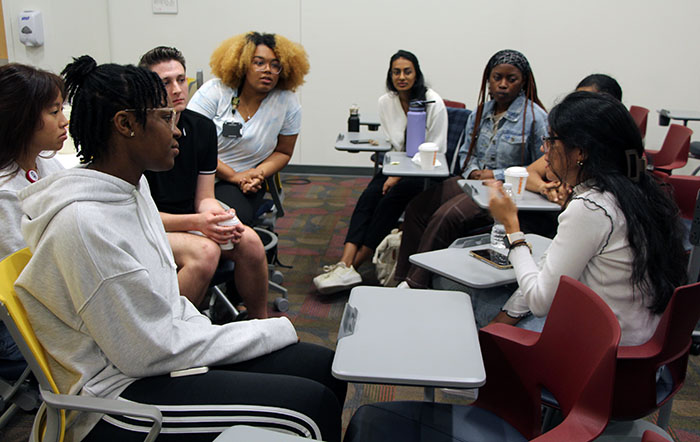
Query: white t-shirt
10, 213
278, 114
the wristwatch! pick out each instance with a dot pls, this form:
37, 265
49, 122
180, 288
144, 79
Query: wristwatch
512, 239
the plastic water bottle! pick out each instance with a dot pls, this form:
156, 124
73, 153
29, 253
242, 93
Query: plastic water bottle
354, 119
415, 127
498, 231
498, 236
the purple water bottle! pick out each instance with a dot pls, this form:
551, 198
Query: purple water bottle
415, 127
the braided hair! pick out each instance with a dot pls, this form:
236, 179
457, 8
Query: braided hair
98, 92
513, 58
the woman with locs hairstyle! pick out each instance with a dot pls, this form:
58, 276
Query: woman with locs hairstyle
102, 294
383, 201
620, 232
505, 131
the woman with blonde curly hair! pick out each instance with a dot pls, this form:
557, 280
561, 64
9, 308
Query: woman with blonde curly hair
256, 113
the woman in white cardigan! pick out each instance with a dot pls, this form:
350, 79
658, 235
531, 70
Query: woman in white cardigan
619, 234
385, 198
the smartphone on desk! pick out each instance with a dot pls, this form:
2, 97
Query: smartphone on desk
492, 257
361, 141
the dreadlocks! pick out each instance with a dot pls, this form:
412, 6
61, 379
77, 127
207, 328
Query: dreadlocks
98, 92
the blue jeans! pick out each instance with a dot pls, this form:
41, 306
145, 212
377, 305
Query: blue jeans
8, 348
487, 303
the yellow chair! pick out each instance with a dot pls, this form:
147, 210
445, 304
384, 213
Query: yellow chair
50, 421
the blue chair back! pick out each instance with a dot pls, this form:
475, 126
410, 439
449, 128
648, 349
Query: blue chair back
456, 122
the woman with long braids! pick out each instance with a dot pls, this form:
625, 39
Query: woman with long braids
619, 234
101, 288
379, 207
32, 130
503, 132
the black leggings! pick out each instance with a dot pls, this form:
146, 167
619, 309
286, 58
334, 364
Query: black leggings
376, 214
246, 204
291, 389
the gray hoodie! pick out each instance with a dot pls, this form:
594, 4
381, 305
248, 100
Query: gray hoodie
102, 294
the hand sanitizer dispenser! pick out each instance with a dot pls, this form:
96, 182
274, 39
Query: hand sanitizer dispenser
31, 28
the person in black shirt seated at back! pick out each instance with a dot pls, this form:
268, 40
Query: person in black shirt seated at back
189, 210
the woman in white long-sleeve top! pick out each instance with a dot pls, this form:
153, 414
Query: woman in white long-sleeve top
383, 201
619, 233
101, 288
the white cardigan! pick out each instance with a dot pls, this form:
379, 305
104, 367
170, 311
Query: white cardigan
591, 246
394, 120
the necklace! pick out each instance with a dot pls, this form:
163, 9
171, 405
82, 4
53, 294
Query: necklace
247, 115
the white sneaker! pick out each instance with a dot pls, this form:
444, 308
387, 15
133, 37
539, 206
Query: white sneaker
403, 285
336, 278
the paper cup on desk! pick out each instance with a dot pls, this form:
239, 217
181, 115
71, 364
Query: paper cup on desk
428, 155
517, 176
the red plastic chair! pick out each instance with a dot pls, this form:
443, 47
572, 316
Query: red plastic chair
650, 436
674, 151
685, 193
640, 116
637, 392
573, 357
457, 104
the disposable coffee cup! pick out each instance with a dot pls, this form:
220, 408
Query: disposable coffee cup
517, 177
229, 222
428, 155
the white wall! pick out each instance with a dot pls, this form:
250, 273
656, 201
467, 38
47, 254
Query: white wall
650, 47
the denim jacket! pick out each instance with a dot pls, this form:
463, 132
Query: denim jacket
504, 149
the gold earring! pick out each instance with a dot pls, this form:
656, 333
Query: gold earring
131, 134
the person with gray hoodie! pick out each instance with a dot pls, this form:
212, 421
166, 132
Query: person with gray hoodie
101, 289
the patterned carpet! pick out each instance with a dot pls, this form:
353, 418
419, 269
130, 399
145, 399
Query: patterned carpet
318, 210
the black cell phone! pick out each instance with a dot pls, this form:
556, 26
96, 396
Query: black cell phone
360, 141
492, 257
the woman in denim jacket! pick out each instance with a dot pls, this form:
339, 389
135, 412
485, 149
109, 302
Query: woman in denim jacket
506, 131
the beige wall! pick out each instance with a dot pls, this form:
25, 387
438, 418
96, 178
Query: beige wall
650, 47
3, 44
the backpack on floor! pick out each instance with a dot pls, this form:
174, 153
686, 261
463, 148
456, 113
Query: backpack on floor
385, 258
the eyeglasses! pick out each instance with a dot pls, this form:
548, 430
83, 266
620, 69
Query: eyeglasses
168, 115
548, 142
260, 65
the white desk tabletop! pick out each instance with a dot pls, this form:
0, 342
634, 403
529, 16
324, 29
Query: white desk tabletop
343, 141
457, 264
678, 114
530, 200
399, 164
409, 337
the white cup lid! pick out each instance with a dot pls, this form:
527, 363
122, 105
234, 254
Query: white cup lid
516, 171
428, 147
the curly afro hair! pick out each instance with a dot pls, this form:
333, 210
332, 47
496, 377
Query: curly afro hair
230, 61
